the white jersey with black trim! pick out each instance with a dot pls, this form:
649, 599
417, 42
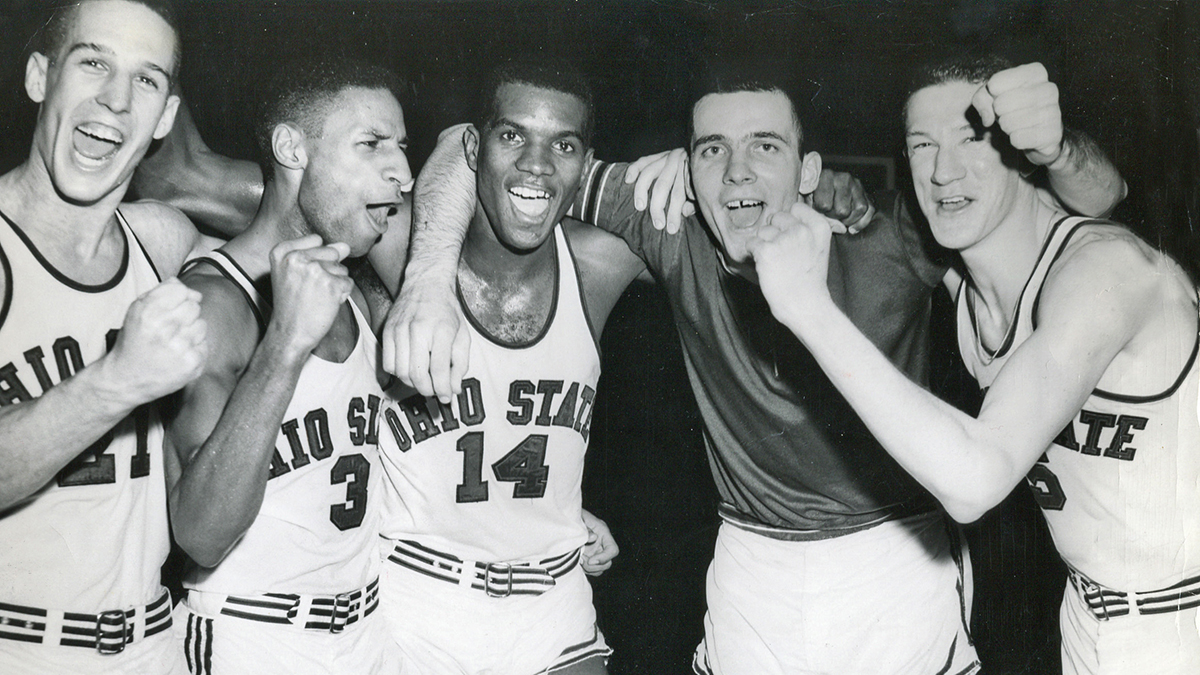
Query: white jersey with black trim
317, 529
1119, 485
95, 536
495, 476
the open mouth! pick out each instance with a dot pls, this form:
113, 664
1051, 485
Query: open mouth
97, 142
744, 213
953, 204
529, 201
380, 213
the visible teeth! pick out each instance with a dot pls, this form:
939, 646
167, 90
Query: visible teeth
953, 200
528, 192
101, 132
743, 204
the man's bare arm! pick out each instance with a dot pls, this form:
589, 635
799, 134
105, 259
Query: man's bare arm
423, 343
968, 463
1024, 103
1083, 177
224, 433
160, 348
218, 191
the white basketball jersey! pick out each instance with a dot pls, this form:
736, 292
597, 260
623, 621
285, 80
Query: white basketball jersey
1120, 486
95, 536
495, 476
317, 530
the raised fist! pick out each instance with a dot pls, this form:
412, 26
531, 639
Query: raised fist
1024, 102
309, 284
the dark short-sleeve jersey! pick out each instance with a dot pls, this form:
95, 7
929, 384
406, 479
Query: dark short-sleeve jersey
785, 448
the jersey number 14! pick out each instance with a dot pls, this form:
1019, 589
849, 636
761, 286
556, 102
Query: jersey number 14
524, 465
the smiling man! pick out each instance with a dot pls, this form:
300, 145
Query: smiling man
89, 339
1084, 340
830, 558
489, 541
273, 473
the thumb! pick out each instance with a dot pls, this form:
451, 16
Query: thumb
983, 102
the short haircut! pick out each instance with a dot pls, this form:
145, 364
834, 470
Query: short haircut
301, 93
972, 68
729, 78
50, 38
552, 74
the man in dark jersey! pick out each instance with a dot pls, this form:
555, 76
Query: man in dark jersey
830, 558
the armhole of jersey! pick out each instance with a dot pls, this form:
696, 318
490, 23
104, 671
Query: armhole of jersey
583, 303
249, 294
130, 234
1100, 393
8, 286
1187, 369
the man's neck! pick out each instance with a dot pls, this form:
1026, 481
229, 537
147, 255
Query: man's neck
277, 220
1000, 265
509, 293
72, 235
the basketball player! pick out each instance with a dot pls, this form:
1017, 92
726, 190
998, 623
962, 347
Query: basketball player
1084, 340
830, 558
89, 338
484, 520
273, 487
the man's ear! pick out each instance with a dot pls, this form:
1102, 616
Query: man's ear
287, 144
167, 120
36, 69
810, 173
471, 146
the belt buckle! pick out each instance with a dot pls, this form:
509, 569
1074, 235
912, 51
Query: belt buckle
1089, 586
493, 571
342, 606
105, 622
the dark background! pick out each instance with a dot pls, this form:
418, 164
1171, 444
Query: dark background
1129, 73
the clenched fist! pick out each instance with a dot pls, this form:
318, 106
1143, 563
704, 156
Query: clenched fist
1024, 102
309, 285
161, 346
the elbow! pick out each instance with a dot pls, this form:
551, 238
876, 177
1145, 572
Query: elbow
970, 502
206, 549
966, 513
204, 553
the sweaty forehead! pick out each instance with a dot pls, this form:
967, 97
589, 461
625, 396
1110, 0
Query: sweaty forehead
741, 115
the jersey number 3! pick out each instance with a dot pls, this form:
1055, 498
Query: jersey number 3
524, 465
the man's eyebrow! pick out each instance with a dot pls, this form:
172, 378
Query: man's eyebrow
769, 134
710, 138
92, 46
507, 122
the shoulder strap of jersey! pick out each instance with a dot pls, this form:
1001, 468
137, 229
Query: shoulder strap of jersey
229, 269
1064, 230
130, 235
